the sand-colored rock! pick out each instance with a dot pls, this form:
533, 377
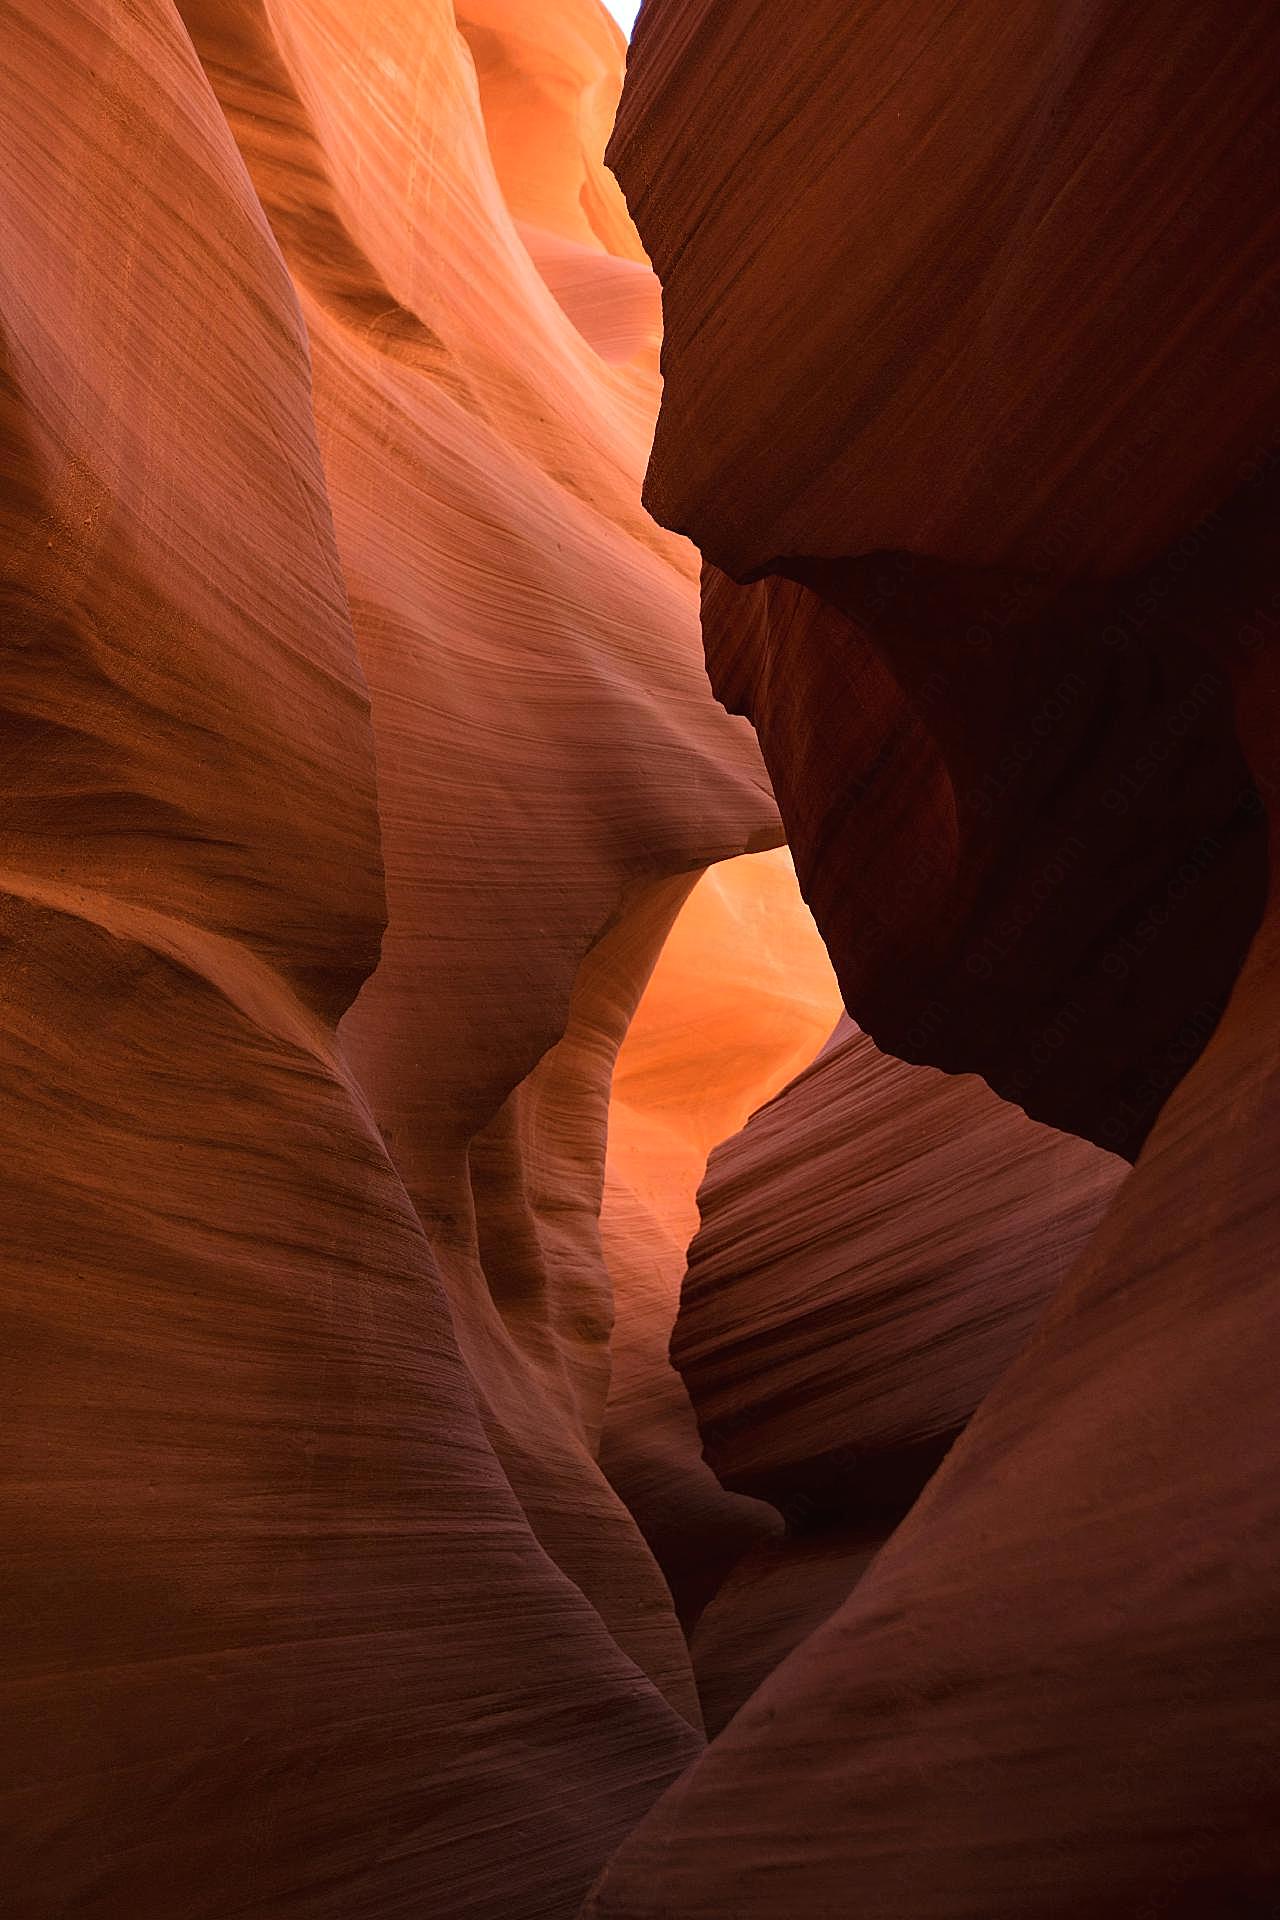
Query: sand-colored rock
549, 90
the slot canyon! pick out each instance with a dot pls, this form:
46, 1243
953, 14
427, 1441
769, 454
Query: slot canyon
639, 971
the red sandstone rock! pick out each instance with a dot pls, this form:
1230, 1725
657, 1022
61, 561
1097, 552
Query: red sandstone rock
328, 375
970, 325
531, 650
876, 1247
741, 996
776, 1594
1004, 278
1051, 1691
1038, 857
318, 1600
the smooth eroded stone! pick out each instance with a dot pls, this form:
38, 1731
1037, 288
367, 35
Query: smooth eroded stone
971, 340
876, 1246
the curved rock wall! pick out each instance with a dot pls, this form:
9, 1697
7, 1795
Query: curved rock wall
1051, 1690
548, 751
740, 998
334, 628
1048, 1690
876, 1247
360, 762
969, 340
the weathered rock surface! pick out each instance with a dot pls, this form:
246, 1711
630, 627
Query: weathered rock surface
969, 340
773, 1597
741, 997
317, 1600
1037, 857
548, 750
988, 215
876, 1247
358, 763
1050, 1690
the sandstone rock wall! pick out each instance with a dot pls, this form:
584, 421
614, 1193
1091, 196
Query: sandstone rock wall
970, 359
970, 338
334, 630
365, 1027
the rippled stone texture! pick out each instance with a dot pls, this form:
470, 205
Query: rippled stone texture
334, 627
970, 367
549, 758
359, 761
970, 337
876, 1247
740, 998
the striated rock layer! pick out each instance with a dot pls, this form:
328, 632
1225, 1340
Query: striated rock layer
1005, 285
971, 358
548, 751
359, 762
875, 1249
1051, 1691
741, 997
334, 627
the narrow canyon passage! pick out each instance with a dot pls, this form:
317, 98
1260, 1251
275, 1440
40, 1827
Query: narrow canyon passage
638, 966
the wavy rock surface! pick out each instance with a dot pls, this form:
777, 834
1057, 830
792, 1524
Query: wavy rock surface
548, 752
876, 1247
359, 761
1050, 1691
989, 214
318, 1600
961, 522
775, 1595
740, 997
